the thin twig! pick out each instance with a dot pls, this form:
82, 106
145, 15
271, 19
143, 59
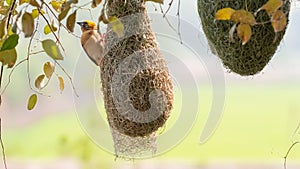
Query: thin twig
179, 21
68, 75
161, 9
288, 152
2, 145
83, 5
64, 26
10, 74
170, 5
170, 25
37, 52
296, 131
10, 12
53, 32
28, 63
1, 77
57, 38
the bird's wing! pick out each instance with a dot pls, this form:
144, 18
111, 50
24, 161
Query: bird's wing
92, 46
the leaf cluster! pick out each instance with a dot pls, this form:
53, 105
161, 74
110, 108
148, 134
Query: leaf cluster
25, 17
245, 19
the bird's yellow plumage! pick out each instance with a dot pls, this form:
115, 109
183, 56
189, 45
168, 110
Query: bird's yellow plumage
91, 41
91, 23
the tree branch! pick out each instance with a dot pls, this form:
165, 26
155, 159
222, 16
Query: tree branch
1, 77
53, 32
288, 152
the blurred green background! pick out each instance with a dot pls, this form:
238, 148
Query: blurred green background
259, 122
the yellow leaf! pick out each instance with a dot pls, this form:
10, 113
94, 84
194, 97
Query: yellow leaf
157, 1
224, 14
3, 30
279, 21
61, 83
271, 6
48, 69
243, 16
117, 26
23, 1
56, 5
244, 32
48, 29
39, 82
35, 13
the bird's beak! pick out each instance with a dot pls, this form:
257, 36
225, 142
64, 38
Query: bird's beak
80, 23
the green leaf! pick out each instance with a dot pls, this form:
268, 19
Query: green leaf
117, 26
71, 21
64, 13
10, 43
27, 24
32, 102
8, 57
39, 81
48, 69
52, 49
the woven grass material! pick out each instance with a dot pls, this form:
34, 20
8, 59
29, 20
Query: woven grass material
246, 59
137, 87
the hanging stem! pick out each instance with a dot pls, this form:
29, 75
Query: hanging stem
1, 77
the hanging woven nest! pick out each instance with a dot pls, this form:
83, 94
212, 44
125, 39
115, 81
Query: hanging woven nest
252, 57
137, 87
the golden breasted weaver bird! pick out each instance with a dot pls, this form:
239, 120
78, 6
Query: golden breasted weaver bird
91, 41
